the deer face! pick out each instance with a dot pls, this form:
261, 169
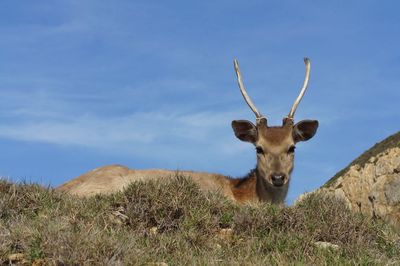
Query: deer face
275, 146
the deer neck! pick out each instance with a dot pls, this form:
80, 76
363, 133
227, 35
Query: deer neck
254, 188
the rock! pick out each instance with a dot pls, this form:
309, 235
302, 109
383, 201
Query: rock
326, 245
371, 183
161, 263
372, 159
16, 257
153, 231
392, 189
225, 234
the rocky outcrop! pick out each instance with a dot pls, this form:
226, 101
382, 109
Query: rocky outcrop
371, 183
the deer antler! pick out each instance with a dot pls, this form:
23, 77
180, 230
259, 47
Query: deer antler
243, 91
303, 89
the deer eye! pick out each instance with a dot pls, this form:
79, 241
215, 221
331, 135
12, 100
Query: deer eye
291, 149
259, 150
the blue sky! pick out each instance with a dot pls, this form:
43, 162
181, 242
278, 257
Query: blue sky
150, 84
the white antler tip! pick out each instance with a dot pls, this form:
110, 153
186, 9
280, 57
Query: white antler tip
304, 88
236, 63
243, 90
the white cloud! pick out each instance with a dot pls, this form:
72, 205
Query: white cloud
140, 130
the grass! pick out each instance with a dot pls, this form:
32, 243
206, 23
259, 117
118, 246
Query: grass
175, 223
390, 142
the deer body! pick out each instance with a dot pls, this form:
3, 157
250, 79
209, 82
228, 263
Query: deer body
113, 178
268, 182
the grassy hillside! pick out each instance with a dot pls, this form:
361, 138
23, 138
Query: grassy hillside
390, 142
175, 223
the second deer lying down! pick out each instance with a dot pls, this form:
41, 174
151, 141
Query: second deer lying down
268, 182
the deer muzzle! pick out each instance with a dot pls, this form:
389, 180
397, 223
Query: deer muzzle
278, 179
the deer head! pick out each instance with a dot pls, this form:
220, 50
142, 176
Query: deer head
275, 146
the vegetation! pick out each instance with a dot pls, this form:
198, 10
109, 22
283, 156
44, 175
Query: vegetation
388, 143
175, 223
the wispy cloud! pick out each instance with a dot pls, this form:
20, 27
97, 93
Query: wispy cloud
57, 122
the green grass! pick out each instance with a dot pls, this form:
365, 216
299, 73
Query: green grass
176, 223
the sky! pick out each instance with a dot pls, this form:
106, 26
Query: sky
151, 84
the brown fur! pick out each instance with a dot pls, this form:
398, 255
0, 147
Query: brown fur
113, 178
276, 135
244, 189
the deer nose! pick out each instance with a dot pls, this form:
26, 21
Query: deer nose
278, 179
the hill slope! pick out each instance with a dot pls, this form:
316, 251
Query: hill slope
390, 142
371, 183
175, 223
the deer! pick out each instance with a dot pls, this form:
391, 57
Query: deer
267, 182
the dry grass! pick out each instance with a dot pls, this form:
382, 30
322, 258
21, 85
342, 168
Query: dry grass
176, 223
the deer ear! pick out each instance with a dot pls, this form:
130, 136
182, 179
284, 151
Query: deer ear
245, 130
304, 130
